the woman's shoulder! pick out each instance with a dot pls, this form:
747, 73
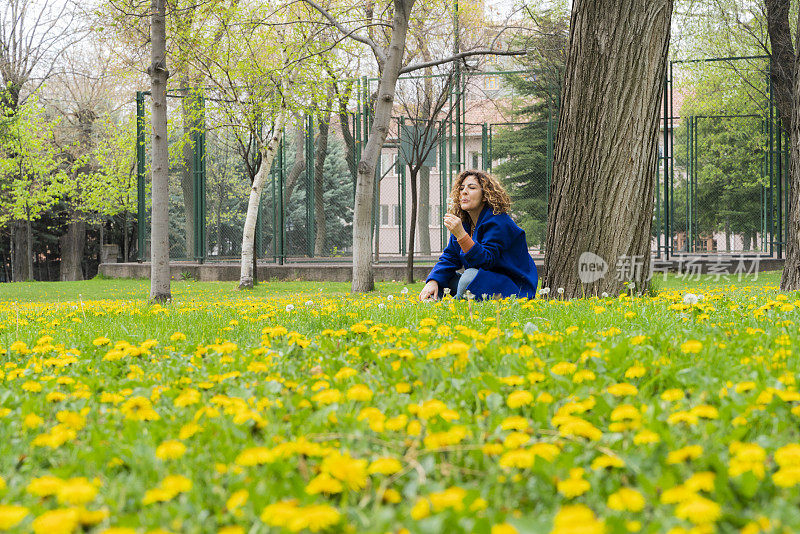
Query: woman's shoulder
503, 219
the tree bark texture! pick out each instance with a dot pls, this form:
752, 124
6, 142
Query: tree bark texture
790, 279
320, 153
72, 246
782, 56
268, 151
159, 231
363, 280
347, 136
604, 170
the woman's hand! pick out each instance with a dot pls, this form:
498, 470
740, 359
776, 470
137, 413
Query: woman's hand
453, 224
430, 290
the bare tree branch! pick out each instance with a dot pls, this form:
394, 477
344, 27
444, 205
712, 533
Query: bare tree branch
462, 55
379, 53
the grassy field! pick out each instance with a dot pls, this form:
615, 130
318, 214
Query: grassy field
299, 407
140, 289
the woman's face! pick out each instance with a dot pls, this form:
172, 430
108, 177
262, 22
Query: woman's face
470, 194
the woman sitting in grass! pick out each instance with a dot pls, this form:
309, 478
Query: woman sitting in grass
485, 242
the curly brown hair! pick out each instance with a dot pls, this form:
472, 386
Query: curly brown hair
493, 192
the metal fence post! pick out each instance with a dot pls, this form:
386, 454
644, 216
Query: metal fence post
199, 149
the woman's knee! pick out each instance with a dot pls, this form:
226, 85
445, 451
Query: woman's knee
466, 279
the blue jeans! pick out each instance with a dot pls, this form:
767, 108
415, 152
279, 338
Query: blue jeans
459, 282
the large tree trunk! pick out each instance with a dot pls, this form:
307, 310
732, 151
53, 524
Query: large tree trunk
72, 246
411, 227
188, 112
790, 279
20, 270
159, 220
784, 69
320, 153
362, 218
268, 151
782, 58
604, 171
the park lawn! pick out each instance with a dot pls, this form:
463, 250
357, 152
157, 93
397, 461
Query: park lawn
294, 409
139, 289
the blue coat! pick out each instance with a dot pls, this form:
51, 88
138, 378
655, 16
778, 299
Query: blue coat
500, 254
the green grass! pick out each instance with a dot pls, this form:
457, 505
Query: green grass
284, 380
125, 289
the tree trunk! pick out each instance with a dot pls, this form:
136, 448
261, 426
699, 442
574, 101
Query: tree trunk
72, 246
20, 268
728, 244
29, 246
344, 122
787, 97
412, 225
782, 71
363, 280
320, 153
790, 279
125, 236
159, 220
268, 151
604, 171
423, 215
188, 112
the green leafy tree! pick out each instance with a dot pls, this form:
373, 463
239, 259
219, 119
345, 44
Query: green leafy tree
729, 153
30, 171
522, 149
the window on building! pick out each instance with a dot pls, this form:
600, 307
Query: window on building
475, 159
435, 218
384, 215
491, 83
395, 215
388, 163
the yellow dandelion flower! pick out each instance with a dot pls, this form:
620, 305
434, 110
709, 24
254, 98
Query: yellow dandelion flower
76, 491
504, 528
58, 521
699, 510
626, 500
170, 450
691, 347
622, 389
385, 466
11, 515
519, 398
